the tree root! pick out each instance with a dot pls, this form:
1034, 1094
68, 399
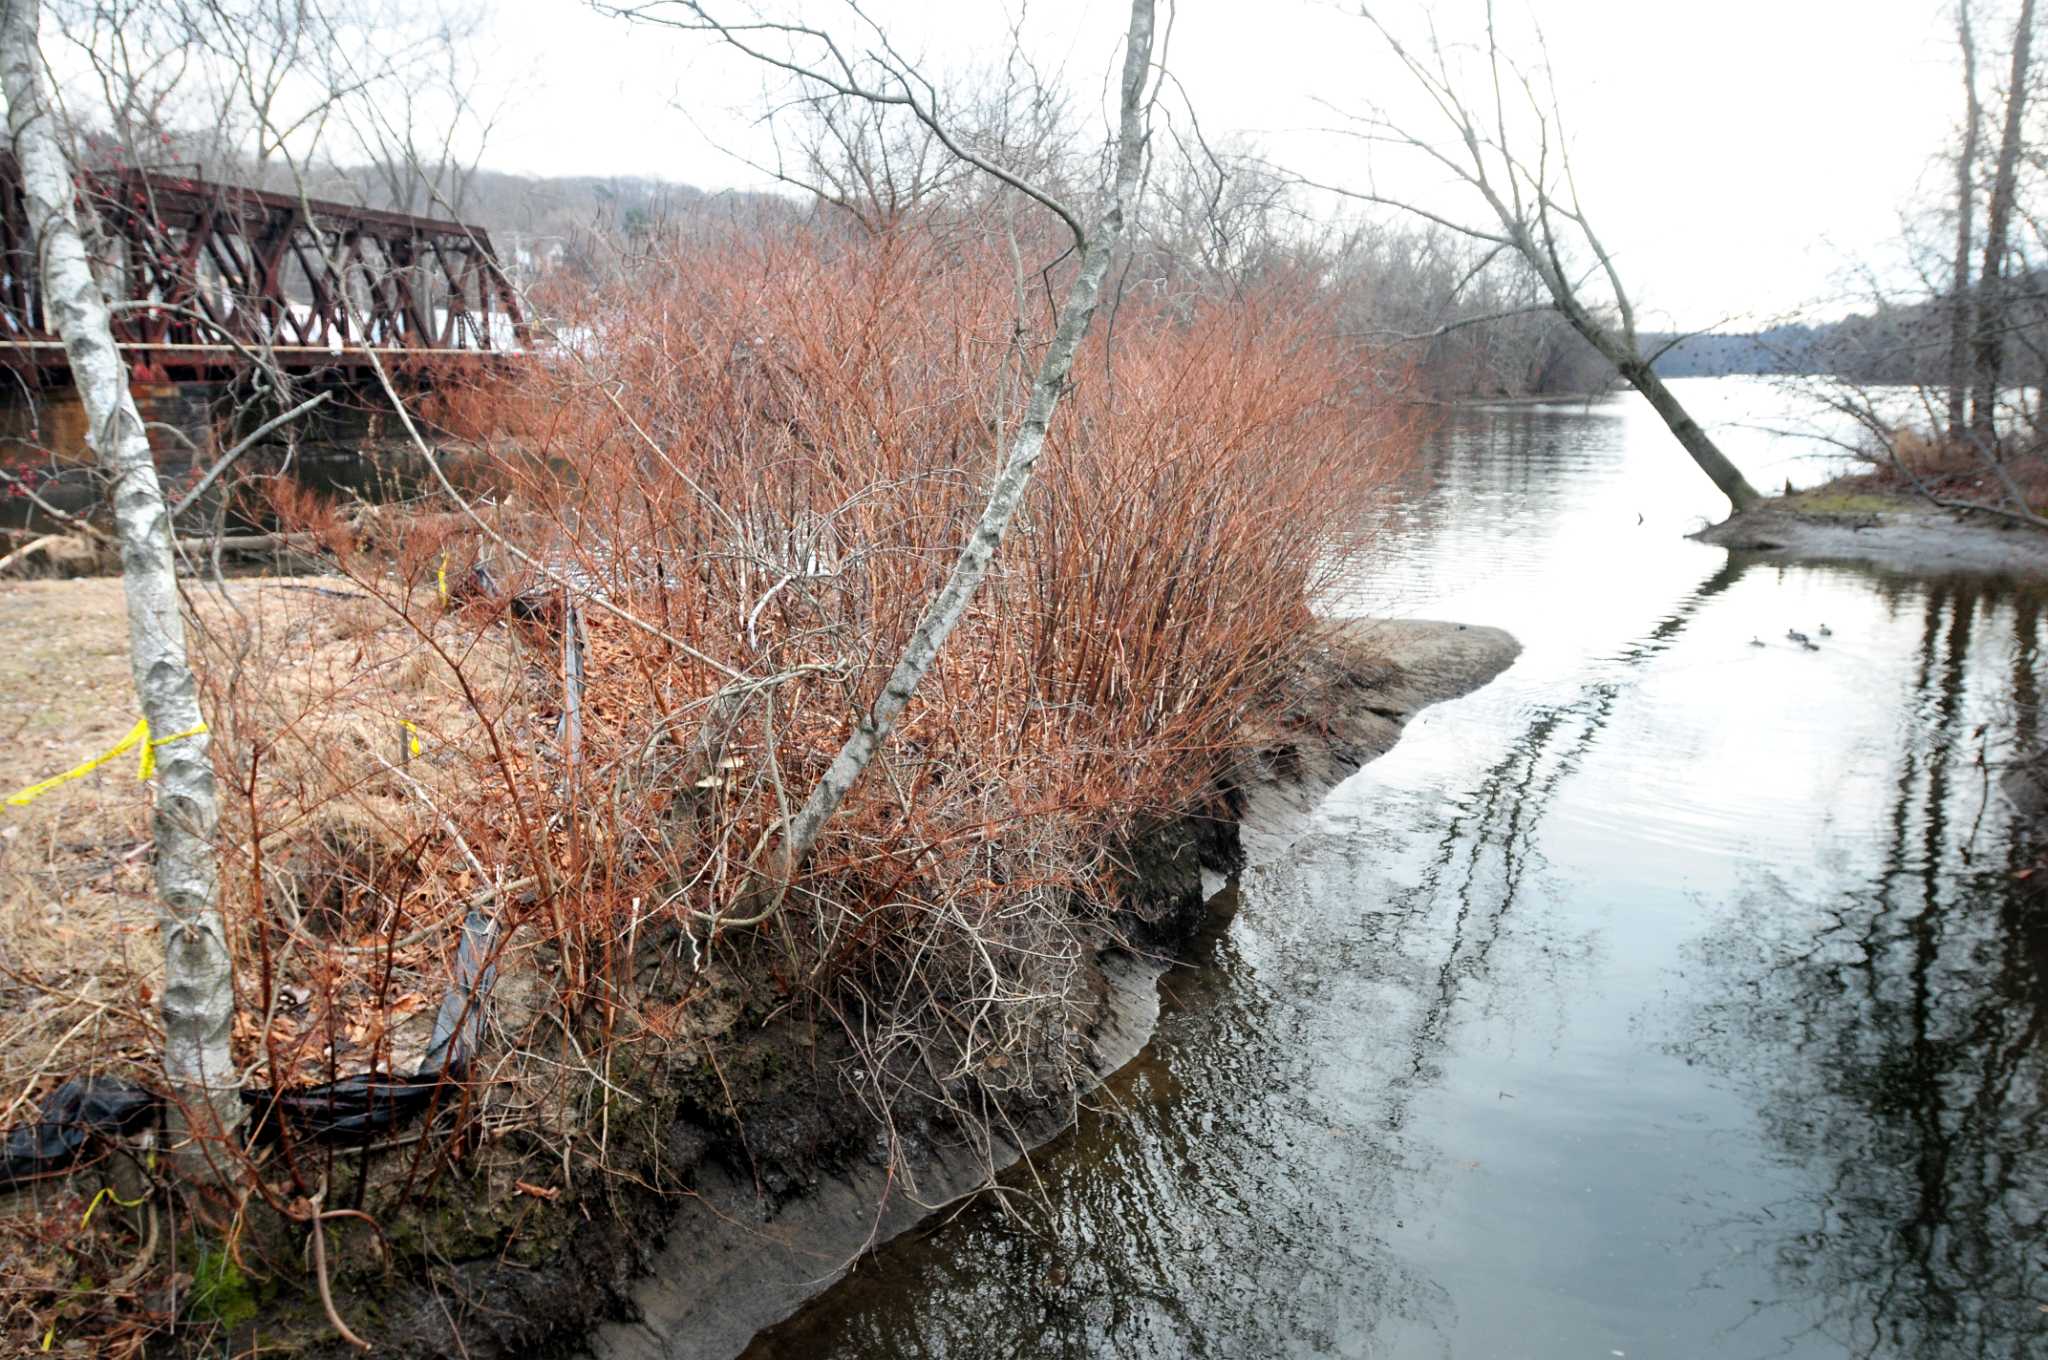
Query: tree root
319, 1218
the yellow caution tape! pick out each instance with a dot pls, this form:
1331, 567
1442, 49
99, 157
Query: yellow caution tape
148, 767
441, 576
107, 1193
137, 735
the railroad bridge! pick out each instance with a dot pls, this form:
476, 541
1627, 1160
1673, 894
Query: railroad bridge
230, 301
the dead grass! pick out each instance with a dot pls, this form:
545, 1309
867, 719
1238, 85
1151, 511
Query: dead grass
1950, 470
325, 688
77, 934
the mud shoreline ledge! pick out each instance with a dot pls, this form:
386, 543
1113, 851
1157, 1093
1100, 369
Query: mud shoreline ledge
785, 1185
1893, 533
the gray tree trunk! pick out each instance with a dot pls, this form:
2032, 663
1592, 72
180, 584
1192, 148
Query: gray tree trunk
1623, 353
198, 994
950, 604
1989, 343
1959, 358
1691, 437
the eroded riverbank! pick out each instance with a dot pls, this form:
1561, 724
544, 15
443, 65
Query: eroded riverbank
785, 1175
734, 1260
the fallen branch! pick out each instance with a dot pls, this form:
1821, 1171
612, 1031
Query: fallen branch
83, 526
33, 546
251, 543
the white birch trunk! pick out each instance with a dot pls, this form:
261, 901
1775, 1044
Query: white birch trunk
198, 996
947, 608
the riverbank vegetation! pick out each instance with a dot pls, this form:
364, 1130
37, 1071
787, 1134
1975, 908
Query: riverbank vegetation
765, 696
503, 801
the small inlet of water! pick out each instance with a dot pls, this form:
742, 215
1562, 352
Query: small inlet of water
1672, 996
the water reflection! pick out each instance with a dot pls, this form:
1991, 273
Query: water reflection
1890, 1033
1671, 996
1489, 845
1191, 1215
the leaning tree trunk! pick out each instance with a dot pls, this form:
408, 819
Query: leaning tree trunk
1991, 320
1643, 377
198, 993
1691, 437
1966, 204
950, 604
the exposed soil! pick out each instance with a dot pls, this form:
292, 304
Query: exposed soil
736, 1260
1846, 522
750, 1174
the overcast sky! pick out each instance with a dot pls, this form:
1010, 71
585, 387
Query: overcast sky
1739, 155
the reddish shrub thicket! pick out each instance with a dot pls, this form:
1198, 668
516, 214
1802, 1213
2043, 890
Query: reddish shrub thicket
775, 448
1914, 460
767, 452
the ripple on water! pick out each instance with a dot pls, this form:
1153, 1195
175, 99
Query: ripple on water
1668, 997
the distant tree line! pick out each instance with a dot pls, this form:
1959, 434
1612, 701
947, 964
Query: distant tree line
1895, 343
376, 104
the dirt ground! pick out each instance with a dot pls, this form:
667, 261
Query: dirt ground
78, 943
1884, 530
324, 678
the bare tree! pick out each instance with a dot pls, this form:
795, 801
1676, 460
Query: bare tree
1967, 340
874, 167
1966, 202
1988, 340
1531, 197
1217, 218
408, 81
198, 994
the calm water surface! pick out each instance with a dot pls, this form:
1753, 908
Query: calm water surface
1668, 997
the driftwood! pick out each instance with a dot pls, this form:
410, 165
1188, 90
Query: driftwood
72, 551
29, 549
251, 543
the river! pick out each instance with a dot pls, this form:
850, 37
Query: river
1671, 996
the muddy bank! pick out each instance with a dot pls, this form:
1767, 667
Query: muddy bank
1887, 532
734, 1259
748, 1167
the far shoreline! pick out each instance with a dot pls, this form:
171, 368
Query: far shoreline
1848, 521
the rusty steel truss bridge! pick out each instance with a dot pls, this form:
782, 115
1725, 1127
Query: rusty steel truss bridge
209, 279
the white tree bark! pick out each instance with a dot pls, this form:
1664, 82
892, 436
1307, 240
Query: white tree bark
198, 996
947, 608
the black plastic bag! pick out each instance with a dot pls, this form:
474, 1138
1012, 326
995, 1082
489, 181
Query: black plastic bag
67, 1120
361, 1107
